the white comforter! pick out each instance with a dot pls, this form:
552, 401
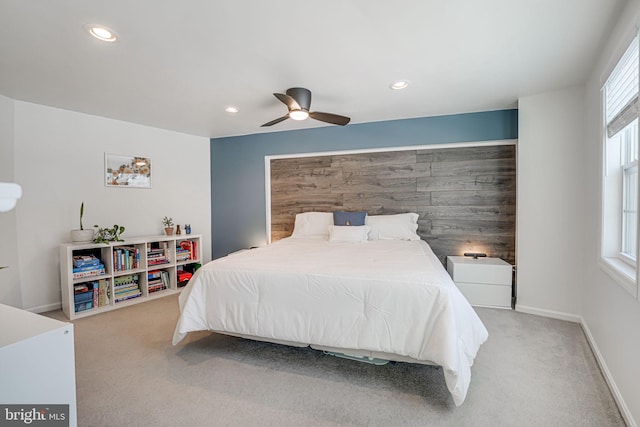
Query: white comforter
384, 296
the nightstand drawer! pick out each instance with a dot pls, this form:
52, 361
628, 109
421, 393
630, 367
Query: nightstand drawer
487, 295
493, 271
482, 281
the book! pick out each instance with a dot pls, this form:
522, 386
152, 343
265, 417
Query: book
131, 278
156, 288
95, 294
165, 278
183, 254
103, 297
85, 260
130, 296
90, 273
125, 288
121, 294
88, 268
186, 250
126, 258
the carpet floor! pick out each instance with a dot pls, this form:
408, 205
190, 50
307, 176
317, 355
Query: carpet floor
532, 371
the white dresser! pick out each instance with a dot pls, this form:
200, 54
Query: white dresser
483, 281
37, 363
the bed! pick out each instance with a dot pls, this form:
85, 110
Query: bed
373, 291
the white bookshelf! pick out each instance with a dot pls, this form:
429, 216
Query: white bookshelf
118, 270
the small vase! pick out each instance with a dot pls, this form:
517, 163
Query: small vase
168, 231
178, 229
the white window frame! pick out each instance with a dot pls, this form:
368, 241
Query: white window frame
629, 168
622, 267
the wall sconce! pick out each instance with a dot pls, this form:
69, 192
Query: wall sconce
475, 255
9, 195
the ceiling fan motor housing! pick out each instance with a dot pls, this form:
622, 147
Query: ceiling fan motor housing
302, 97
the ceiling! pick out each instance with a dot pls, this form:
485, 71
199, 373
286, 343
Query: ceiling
178, 64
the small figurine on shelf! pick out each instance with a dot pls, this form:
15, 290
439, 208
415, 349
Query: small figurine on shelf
178, 229
187, 228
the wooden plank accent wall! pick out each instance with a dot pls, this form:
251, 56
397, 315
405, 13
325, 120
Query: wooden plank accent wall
466, 197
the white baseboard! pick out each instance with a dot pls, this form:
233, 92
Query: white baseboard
617, 396
45, 308
549, 313
622, 406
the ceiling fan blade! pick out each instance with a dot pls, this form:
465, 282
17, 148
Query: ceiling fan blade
287, 100
330, 118
276, 121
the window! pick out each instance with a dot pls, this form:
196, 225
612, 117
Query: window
620, 183
630, 191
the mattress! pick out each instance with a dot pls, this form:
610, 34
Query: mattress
380, 297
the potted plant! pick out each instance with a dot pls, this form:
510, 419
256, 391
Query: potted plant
81, 235
106, 235
168, 225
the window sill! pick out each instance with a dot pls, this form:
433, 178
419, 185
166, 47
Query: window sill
622, 273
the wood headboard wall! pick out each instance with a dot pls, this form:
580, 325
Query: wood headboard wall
465, 196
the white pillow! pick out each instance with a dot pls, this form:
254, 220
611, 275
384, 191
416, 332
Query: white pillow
393, 227
349, 233
312, 225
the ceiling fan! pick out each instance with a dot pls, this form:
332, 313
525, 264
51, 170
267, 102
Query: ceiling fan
298, 101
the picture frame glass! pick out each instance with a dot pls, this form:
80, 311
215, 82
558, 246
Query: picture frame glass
127, 171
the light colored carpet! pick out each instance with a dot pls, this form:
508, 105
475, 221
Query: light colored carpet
533, 371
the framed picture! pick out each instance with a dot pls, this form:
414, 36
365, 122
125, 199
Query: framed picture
127, 171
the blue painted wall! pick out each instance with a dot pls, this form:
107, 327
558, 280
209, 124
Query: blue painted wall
238, 213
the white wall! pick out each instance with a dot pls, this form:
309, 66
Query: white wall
550, 204
611, 315
559, 217
10, 291
59, 161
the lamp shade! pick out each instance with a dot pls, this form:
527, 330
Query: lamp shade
9, 195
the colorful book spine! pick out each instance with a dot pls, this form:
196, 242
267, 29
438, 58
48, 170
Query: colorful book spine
88, 268
103, 297
90, 273
130, 296
95, 294
129, 279
126, 258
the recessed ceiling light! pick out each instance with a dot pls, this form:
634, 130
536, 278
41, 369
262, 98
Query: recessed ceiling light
231, 109
102, 33
400, 84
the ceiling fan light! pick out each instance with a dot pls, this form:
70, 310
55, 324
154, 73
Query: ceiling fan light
298, 114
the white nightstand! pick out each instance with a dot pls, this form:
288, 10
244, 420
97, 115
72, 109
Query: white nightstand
483, 281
